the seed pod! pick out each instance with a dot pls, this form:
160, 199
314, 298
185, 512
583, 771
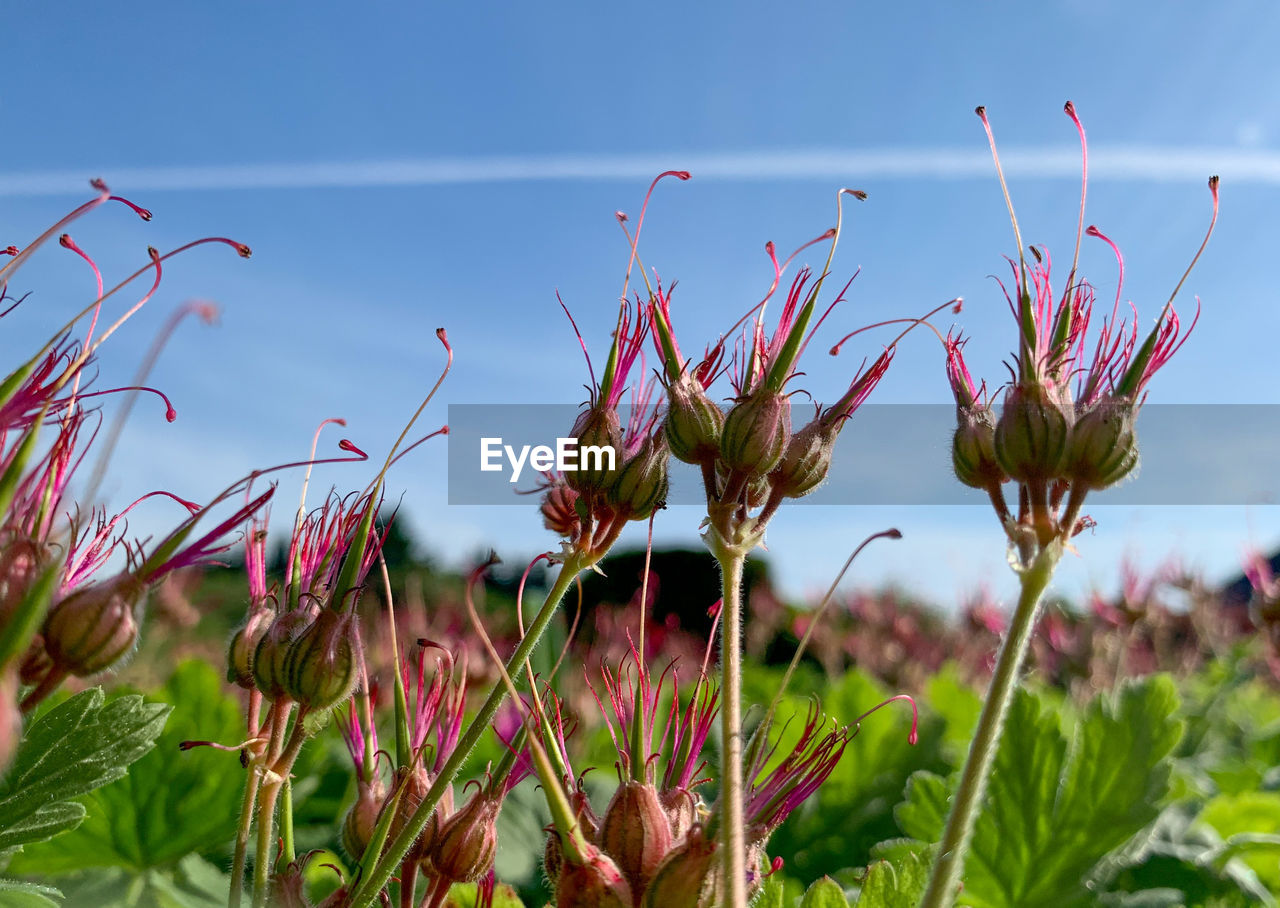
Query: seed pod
359, 823
321, 667
681, 807
641, 484
686, 876
595, 883
273, 650
636, 832
244, 643
468, 841
694, 422
1031, 435
94, 627
599, 437
806, 461
973, 449
1104, 448
756, 432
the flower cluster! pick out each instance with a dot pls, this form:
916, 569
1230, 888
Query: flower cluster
72, 581
1066, 426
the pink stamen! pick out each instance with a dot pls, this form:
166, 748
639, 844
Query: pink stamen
913, 736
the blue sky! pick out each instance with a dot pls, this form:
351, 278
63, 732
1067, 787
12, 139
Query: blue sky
413, 166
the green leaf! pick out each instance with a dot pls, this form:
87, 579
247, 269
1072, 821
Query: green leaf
959, 705
1254, 817
192, 883
1054, 808
897, 884
79, 745
825, 893
773, 895
172, 803
19, 894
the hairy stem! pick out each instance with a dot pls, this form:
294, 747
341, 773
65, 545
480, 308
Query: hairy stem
377, 877
242, 836
731, 784
944, 880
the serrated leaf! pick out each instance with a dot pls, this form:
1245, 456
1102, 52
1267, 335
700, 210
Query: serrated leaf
44, 823
825, 893
77, 746
772, 895
1255, 817
172, 803
1054, 809
897, 884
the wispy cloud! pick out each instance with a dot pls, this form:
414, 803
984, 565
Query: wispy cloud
1134, 163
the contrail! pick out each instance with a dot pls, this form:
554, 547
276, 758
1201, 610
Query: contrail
1131, 163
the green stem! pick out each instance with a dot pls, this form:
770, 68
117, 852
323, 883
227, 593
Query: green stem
262, 857
242, 836
286, 822
944, 881
377, 877
731, 783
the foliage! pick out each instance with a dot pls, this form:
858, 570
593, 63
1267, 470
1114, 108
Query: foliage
173, 804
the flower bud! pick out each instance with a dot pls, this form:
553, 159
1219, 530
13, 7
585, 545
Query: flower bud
686, 876
552, 857
468, 841
1031, 435
806, 461
1104, 448
636, 832
596, 430
595, 883
973, 448
288, 889
641, 484
694, 422
322, 666
359, 823
94, 627
244, 643
269, 658
756, 432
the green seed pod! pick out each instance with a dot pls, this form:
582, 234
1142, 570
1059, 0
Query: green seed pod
973, 449
321, 667
467, 842
756, 432
1032, 434
694, 422
1104, 448
806, 461
595, 883
359, 823
244, 643
636, 832
269, 658
599, 437
686, 875
641, 485
94, 627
